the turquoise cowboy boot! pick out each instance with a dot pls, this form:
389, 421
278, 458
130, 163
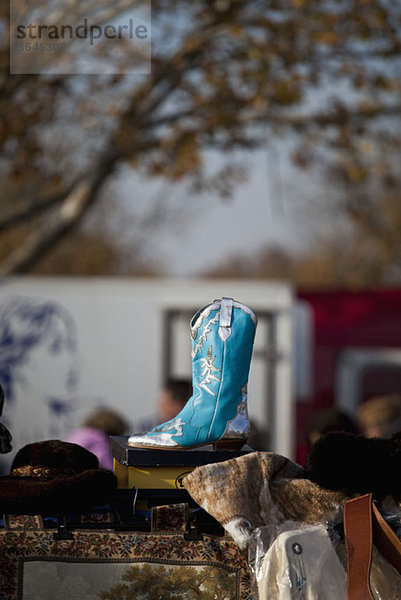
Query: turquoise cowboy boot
222, 341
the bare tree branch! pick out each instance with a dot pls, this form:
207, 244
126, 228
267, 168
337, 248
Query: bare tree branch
336, 117
34, 208
68, 215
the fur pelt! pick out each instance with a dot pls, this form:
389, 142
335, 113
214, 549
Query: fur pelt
265, 489
260, 488
52, 477
356, 465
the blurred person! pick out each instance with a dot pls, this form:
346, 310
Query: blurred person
380, 416
171, 399
95, 431
327, 420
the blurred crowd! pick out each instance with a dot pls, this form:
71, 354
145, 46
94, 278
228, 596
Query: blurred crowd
378, 416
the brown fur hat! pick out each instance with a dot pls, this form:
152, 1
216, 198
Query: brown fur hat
53, 477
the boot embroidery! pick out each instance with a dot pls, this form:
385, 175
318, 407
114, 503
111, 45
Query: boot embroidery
175, 424
208, 370
203, 336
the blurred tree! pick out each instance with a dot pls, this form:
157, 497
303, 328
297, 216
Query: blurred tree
225, 74
272, 262
88, 253
149, 582
359, 252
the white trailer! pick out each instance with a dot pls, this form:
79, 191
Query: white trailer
68, 345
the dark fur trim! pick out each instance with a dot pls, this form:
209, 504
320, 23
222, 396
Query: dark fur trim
76, 482
69, 494
354, 464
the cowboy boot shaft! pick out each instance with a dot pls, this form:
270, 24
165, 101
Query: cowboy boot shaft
222, 340
220, 369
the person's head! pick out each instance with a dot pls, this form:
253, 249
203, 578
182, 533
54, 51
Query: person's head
380, 416
106, 420
173, 397
36, 333
325, 421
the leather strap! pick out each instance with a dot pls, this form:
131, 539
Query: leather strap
386, 540
363, 524
226, 311
358, 541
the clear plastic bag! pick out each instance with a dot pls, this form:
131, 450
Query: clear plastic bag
296, 561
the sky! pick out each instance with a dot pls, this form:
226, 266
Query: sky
270, 207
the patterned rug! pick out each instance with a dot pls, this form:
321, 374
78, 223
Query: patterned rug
109, 565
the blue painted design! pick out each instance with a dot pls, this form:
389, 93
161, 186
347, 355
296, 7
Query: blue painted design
25, 324
38, 369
